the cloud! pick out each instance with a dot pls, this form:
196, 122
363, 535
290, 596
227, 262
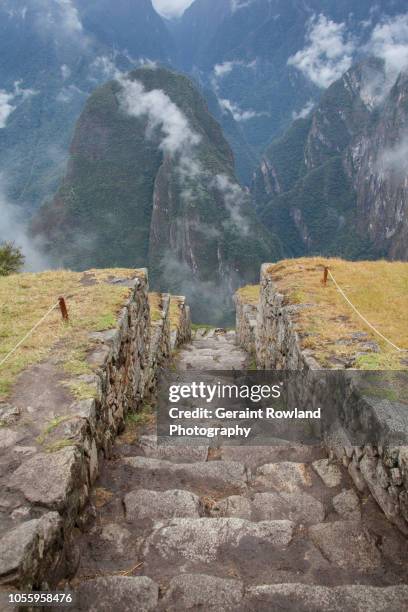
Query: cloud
9, 101
236, 5
13, 228
171, 8
70, 17
395, 159
162, 114
6, 108
65, 72
235, 199
389, 41
328, 54
210, 301
68, 94
304, 112
221, 70
237, 112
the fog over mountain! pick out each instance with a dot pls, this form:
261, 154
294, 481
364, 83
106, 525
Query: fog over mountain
303, 93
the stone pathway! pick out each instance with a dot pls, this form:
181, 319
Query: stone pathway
235, 528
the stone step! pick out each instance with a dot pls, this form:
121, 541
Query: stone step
188, 542
227, 476
306, 598
255, 456
181, 453
285, 476
153, 505
299, 507
122, 593
202, 592
189, 591
347, 544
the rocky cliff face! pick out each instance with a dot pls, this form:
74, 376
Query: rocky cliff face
335, 182
377, 167
150, 181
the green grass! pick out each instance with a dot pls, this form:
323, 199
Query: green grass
196, 326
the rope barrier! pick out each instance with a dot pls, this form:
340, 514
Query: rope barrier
28, 334
340, 290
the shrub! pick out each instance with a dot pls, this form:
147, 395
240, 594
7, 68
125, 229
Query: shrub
11, 259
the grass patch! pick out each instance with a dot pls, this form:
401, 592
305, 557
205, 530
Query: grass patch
25, 298
249, 294
53, 424
58, 445
329, 327
101, 496
155, 303
174, 312
142, 417
196, 326
81, 390
136, 422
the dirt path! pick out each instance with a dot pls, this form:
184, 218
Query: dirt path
234, 528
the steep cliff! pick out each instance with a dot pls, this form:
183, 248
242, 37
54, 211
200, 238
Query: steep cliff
335, 182
151, 180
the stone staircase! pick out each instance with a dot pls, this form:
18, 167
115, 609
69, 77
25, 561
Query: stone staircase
236, 528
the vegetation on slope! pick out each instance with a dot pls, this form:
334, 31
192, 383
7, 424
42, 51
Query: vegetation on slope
249, 294
330, 328
11, 259
25, 298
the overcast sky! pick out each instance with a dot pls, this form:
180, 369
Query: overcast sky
171, 8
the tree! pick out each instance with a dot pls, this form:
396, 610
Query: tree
11, 259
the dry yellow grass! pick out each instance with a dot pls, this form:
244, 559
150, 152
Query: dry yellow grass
174, 312
25, 298
155, 303
379, 290
249, 294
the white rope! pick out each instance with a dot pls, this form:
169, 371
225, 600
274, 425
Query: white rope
362, 317
28, 334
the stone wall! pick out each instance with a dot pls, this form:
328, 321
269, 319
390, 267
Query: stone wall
160, 344
180, 322
44, 495
381, 470
246, 315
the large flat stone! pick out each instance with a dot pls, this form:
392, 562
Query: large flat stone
347, 545
202, 592
182, 453
22, 548
234, 506
298, 507
347, 505
199, 540
214, 474
48, 479
285, 476
306, 598
254, 456
145, 504
330, 473
123, 593
9, 437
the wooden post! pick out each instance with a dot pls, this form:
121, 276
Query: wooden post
63, 308
325, 275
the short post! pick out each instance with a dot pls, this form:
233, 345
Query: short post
325, 275
63, 308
